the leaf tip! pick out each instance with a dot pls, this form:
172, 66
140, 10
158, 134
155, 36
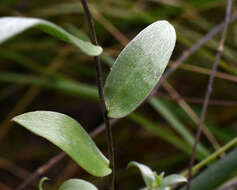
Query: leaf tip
42, 182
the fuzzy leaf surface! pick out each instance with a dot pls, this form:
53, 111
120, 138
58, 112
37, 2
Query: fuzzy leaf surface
147, 174
138, 68
77, 184
67, 134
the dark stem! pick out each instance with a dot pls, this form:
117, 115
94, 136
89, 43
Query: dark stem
101, 94
209, 90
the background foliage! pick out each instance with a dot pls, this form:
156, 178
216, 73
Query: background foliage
35, 69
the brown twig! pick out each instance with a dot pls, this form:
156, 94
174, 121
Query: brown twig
209, 89
213, 102
186, 54
21, 105
68, 171
196, 100
101, 94
174, 94
53, 161
110, 27
31, 94
13, 168
205, 71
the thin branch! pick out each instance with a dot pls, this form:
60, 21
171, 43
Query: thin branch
196, 100
180, 100
101, 94
31, 94
56, 159
52, 162
110, 27
13, 168
205, 71
209, 89
186, 54
213, 102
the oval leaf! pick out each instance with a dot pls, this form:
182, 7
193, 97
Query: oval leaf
77, 184
138, 68
147, 174
11, 26
67, 134
173, 179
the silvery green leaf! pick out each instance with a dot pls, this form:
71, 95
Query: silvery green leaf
69, 135
11, 26
161, 188
138, 68
173, 179
147, 174
77, 184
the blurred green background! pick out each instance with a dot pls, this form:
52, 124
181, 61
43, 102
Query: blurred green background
38, 72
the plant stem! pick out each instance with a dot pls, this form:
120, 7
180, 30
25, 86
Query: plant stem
209, 90
212, 157
101, 94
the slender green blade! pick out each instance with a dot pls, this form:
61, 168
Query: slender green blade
67, 134
138, 68
216, 174
175, 123
11, 26
77, 184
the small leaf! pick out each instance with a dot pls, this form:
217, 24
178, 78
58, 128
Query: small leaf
42, 182
11, 26
138, 68
77, 184
162, 188
173, 179
147, 173
67, 134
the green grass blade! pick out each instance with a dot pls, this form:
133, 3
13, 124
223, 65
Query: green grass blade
164, 134
67, 86
176, 124
216, 174
12, 26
